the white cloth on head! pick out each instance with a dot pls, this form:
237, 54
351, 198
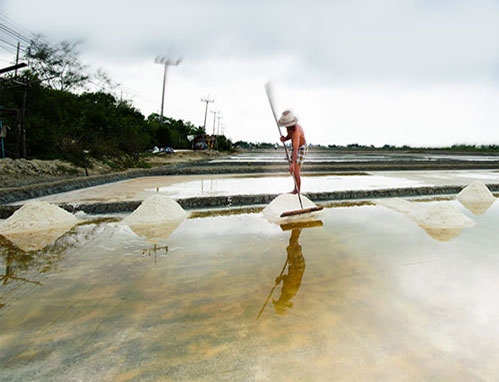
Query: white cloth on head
287, 119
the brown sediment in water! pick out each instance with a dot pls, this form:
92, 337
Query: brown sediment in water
225, 212
364, 306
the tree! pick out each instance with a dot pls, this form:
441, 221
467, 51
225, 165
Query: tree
58, 65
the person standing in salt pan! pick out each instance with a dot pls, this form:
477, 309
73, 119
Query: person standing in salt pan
299, 145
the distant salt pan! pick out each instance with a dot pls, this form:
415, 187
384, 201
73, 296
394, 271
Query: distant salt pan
476, 197
37, 216
284, 203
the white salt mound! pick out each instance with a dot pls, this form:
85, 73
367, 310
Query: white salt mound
441, 221
37, 216
476, 197
156, 209
284, 203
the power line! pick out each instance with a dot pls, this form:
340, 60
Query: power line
137, 93
8, 49
8, 43
15, 24
14, 33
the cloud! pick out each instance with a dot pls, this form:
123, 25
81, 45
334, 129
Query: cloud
331, 41
371, 72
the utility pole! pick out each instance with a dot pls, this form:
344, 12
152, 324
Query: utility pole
21, 129
207, 100
218, 126
214, 112
166, 62
17, 59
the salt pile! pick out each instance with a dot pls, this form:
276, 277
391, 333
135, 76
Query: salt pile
476, 197
156, 218
37, 216
441, 221
287, 202
36, 225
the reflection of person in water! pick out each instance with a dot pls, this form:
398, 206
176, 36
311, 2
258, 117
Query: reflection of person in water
290, 282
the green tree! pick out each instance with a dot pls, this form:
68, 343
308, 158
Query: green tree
58, 65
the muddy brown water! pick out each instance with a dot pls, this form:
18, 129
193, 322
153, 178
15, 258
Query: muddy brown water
365, 295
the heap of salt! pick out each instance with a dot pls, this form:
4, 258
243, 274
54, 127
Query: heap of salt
476, 197
156, 218
285, 203
37, 224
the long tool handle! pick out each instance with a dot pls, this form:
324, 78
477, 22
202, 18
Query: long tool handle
272, 290
268, 90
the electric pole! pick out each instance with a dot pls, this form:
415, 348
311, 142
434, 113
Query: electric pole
166, 62
218, 126
214, 118
17, 59
207, 100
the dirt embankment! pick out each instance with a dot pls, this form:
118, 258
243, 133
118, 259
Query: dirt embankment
22, 172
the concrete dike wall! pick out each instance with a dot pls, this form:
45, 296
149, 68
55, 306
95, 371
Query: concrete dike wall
248, 200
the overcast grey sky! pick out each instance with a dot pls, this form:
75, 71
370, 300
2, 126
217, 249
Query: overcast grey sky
370, 72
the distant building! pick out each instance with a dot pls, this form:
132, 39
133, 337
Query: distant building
202, 142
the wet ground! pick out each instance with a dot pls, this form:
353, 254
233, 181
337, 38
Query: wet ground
215, 185
364, 295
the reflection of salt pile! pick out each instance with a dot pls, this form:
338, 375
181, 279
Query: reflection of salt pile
37, 224
287, 202
156, 218
441, 221
476, 198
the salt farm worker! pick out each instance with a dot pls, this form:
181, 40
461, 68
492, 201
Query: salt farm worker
292, 281
298, 143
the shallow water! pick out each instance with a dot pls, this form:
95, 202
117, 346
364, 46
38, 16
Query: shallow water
278, 156
368, 295
280, 184
237, 184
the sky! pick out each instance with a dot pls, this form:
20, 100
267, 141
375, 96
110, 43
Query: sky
399, 72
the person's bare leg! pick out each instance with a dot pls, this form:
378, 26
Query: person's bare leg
296, 175
293, 174
298, 179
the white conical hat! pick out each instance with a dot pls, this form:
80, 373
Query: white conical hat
287, 119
